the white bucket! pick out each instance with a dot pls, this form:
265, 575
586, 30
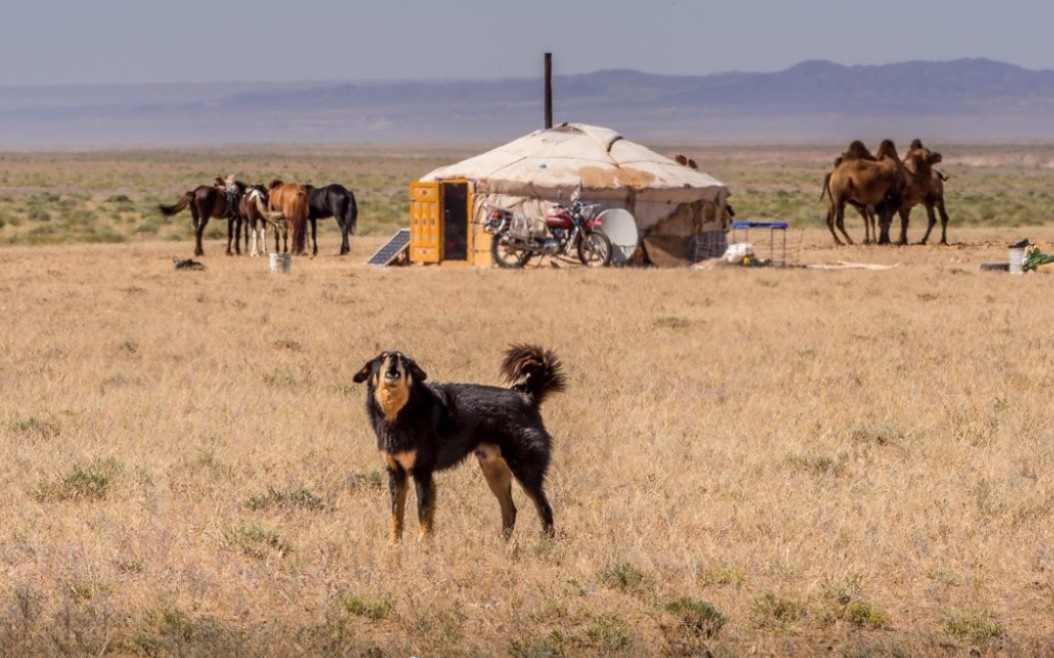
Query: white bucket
281, 263
1017, 258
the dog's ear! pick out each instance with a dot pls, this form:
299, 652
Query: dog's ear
415, 370
364, 374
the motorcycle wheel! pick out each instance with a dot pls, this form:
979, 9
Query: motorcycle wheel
594, 250
505, 255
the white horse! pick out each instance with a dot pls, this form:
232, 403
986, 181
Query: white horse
254, 209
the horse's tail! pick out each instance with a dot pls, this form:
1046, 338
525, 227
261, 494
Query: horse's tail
257, 200
352, 217
298, 214
178, 206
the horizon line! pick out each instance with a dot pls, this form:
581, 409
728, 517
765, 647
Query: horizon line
393, 81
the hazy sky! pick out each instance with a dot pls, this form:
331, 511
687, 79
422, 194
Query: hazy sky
98, 41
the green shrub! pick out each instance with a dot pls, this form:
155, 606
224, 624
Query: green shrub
697, 616
372, 609
862, 615
550, 647
297, 498
81, 217
149, 227
976, 627
105, 235
91, 482
818, 464
608, 633
171, 632
772, 612
255, 541
722, 576
36, 428
372, 480
622, 576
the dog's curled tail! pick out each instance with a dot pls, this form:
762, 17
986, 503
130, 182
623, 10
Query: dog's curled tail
533, 371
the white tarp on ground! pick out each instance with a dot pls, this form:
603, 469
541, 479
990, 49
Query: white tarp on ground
596, 164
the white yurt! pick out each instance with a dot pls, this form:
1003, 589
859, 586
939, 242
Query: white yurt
680, 212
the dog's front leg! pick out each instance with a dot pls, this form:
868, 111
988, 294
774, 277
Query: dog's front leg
426, 504
397, 487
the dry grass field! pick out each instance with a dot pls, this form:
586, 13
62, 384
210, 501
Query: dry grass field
748, 461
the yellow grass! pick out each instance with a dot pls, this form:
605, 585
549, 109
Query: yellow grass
854, 460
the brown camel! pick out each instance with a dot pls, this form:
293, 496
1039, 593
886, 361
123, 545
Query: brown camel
856, 151
934, 199
918, 176
877, 182
916, 186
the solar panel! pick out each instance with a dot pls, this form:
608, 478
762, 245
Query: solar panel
390, 250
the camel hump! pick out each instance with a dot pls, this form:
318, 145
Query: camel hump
887, 149
857, 151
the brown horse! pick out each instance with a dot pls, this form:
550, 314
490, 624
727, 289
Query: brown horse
290, 201
205, 201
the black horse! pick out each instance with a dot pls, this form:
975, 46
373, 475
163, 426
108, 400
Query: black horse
337, 201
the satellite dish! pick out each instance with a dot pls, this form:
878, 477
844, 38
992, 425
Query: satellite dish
621, 228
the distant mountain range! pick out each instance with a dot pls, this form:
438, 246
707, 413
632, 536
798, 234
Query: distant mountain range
814, 100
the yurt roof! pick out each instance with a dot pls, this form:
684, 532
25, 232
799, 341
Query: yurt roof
574, 155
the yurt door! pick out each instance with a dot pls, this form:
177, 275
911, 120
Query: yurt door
440, 219
456, 206
425, 224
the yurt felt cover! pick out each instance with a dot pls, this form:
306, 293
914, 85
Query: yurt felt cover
590, 162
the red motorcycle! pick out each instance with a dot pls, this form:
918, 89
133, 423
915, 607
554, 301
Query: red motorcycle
568, 229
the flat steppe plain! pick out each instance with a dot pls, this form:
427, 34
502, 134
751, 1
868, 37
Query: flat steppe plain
748, 461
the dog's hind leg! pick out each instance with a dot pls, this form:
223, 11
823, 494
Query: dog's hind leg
426, 501
541, 503
499, 478
532, 482
397, 486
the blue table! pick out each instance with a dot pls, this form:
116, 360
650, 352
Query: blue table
746, 225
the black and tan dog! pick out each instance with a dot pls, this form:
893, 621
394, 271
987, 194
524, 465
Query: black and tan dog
425, 427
